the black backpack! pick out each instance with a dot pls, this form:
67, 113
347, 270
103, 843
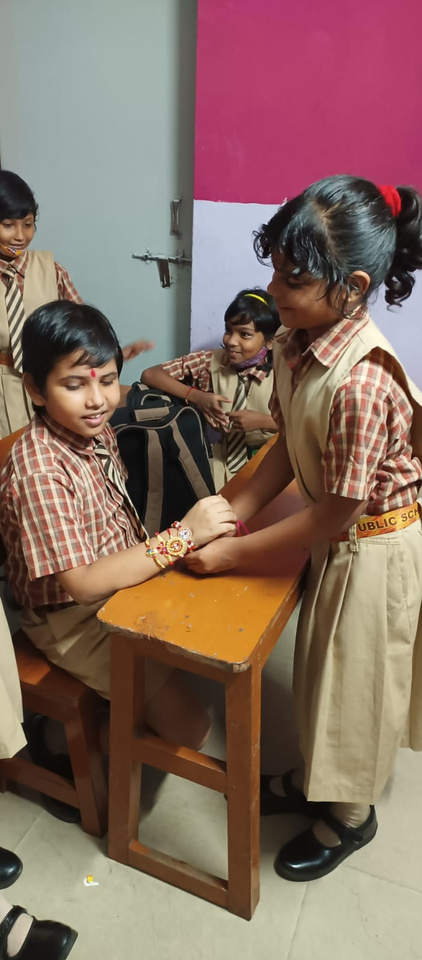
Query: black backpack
162, 445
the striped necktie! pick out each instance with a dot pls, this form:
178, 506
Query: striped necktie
237, 453
15, 317
114, 475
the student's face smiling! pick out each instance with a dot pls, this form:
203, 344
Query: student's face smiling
78, 399
16, 235
242, 341
301, 301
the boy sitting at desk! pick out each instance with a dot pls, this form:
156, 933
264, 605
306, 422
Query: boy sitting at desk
72, 535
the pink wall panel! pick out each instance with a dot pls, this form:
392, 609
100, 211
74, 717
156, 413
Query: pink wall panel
292, 90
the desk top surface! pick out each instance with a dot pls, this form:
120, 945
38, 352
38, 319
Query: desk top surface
219, 619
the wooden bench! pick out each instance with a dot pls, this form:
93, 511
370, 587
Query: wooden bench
51, 691
222, 627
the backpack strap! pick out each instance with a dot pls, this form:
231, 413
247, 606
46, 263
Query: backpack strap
187, 461
154, 505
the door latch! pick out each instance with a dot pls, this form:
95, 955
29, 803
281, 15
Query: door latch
163, 264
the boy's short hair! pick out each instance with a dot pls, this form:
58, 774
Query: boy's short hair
16, 198
248, 307
57, 329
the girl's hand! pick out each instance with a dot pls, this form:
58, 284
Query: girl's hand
209, 403
134, 349
251, 420
247, 420
214, 558
209, 518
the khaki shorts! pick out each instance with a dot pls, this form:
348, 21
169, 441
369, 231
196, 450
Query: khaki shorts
75, 640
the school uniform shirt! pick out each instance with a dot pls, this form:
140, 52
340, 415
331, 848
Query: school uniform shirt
194, 369
209, 371
368, 452
40, 279
65, 288
59, 510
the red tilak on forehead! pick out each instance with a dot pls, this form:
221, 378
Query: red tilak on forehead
93, 374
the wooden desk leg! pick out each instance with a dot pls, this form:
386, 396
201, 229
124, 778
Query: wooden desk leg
243, 725
127, 702
87, 764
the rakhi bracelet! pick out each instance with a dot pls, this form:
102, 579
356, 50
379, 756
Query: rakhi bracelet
241, 529
153, 554
177, 545
185, 534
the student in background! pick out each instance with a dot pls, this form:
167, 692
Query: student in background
28, 279
232, 386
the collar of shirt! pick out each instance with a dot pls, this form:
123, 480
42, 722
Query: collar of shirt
327, 348
19, 264
80, 445
260, 372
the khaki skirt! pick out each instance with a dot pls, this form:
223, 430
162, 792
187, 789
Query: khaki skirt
358, 663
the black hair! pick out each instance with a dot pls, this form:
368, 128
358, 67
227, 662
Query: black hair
16, 198
57, 329
342, 224
248, 307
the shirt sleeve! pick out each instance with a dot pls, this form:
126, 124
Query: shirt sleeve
357, 441
51, 526
65, 288
193, 369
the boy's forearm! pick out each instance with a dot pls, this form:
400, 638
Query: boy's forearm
99, 580
158, 378
273, 475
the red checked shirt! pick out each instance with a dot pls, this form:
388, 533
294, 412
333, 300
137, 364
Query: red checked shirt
58, 509
194, 369
65, 288
368, 453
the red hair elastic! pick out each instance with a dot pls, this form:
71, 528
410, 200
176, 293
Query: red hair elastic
392, 198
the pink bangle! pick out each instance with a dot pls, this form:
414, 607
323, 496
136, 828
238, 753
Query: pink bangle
241, 529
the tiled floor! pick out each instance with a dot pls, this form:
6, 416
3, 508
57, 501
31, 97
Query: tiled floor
369, 909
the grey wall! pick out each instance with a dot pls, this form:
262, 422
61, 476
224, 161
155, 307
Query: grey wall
99, 119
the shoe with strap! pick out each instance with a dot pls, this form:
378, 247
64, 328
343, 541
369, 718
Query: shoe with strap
46, 939
306, 858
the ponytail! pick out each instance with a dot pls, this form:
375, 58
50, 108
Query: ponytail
400, 279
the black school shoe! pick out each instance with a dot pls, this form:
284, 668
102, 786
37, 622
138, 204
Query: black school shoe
294, 801
305, 858
46, 940
10, 868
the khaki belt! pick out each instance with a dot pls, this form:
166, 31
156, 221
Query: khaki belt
6, 360
384, 523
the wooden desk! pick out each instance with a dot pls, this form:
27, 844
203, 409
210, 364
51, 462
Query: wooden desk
223, 627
